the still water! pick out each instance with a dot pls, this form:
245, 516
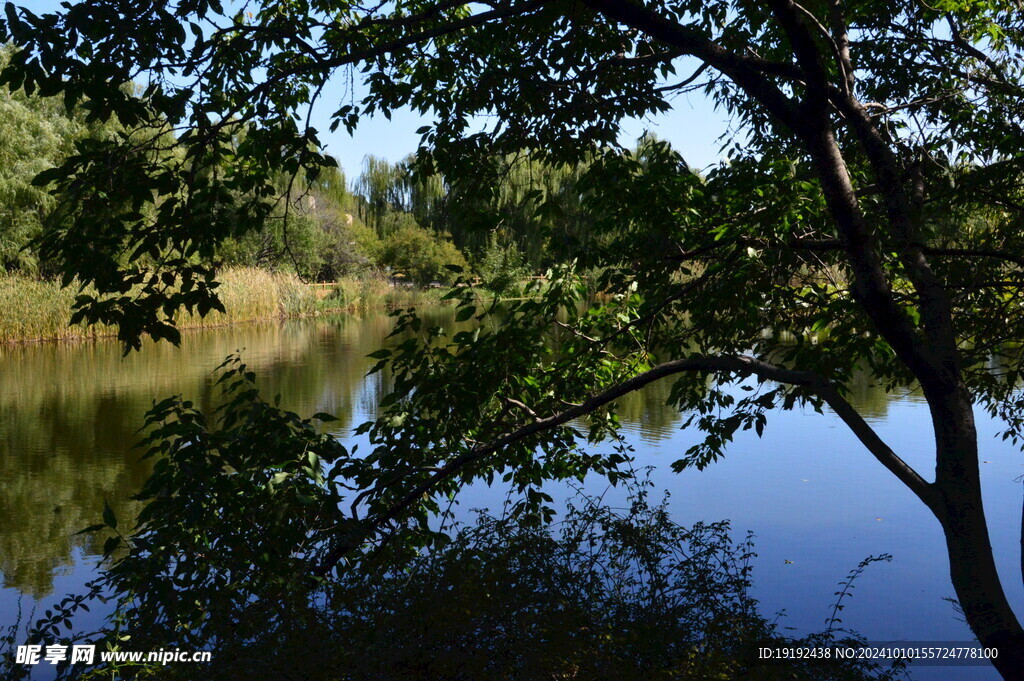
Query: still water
817, 502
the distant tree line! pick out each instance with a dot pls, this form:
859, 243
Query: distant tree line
516, 217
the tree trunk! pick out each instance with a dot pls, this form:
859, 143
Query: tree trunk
972, 566
929, 349
934, 360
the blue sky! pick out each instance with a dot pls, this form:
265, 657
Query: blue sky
692, 126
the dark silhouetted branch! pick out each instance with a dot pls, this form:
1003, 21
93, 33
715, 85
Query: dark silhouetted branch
743, 365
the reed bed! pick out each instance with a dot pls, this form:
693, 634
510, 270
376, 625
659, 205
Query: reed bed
360, 294
35, 310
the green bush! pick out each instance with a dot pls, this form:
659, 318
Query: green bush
419, 254
299, 248
617, 594
351, 248
502, 267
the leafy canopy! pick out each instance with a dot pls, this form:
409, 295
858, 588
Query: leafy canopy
869, 217
743, 261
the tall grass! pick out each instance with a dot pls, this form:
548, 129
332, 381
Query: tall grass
249, 294
359, 294
35, 310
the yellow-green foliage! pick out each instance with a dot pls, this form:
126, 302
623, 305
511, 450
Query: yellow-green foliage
40, 310
249, 293
355, 294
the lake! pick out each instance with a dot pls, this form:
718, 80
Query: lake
817, 502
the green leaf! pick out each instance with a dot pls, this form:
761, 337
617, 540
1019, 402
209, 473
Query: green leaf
110, 545
47, 177
109, 519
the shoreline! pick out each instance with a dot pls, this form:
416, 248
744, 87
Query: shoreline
40, 311
84, 338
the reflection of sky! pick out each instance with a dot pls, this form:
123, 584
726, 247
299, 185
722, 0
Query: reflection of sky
808, 489
815, 497
819, 504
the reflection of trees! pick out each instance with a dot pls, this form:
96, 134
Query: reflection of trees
70, 415
870, 398
648, 413
653, 420
64, 457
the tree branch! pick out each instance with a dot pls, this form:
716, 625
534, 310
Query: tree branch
841, 35
378, 51
743, 365
976, 253
933, 357
820, 245
748, 72
841, 62
959, 41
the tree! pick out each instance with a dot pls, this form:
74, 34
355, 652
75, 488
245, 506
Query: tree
501, 266
875, 193
530, 202
417, 253
37, 134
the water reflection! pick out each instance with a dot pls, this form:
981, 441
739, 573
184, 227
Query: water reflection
70, 414
818, 502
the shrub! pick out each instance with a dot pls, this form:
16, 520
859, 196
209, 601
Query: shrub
419, 254
502, 268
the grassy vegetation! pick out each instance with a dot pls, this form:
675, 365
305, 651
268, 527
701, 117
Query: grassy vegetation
38, 310
357, 294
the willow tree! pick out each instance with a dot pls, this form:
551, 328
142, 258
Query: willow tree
515, 201
37, 133
875, 194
